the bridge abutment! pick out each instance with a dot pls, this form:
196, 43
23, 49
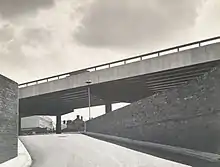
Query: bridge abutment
185, 116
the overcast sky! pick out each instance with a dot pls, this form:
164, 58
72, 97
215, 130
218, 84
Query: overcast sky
39, 38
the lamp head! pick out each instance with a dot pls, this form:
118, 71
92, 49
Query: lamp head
89, 82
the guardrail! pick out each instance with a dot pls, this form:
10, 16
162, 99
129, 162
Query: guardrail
128, 60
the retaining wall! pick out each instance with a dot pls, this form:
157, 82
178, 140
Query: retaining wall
186, 116
8, 118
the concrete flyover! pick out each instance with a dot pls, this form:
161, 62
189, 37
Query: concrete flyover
126, 80
62, 93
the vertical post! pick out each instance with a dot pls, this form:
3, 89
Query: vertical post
58, 124
85, 129
89, 97
89, 102
108, 107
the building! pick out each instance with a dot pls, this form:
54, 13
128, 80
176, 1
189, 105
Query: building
36, 124
63, 126
75, 125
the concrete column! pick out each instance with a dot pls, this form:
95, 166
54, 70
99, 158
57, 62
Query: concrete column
19, 124
108, 107
58, 124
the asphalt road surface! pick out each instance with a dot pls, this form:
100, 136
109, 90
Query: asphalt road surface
77, 150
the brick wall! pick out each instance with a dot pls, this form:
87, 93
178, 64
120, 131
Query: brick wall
8, 119
187, 116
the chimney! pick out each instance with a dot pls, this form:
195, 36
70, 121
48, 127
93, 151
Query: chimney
68, 122
82, 118
77, 117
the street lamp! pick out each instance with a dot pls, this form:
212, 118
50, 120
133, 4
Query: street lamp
88, 82
89, 97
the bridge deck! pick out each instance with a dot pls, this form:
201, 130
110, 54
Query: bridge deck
124, 83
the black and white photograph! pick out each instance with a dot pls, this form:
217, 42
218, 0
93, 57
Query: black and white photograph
109, 83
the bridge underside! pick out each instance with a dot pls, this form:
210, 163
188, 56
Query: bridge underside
125, 90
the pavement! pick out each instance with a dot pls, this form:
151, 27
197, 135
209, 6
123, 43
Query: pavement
22, 160
78, 150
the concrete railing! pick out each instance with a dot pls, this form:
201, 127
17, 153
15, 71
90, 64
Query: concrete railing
178, 154
126, 61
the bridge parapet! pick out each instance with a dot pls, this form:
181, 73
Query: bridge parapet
126, 61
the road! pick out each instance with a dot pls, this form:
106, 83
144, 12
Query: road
77, 150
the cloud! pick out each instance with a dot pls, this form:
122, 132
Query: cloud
14, 8
44, 45
36, 36
129, 23
6, 33
208, 23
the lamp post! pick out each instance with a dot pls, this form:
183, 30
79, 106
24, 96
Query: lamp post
89, 97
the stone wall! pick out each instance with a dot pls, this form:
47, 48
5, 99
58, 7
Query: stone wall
186, 116
8, 119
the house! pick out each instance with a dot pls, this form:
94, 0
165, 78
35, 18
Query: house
74, 125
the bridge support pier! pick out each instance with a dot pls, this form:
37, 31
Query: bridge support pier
58, 124
108, 107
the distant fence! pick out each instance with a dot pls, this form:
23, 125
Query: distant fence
126, 61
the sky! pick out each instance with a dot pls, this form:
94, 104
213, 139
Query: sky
40, 38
